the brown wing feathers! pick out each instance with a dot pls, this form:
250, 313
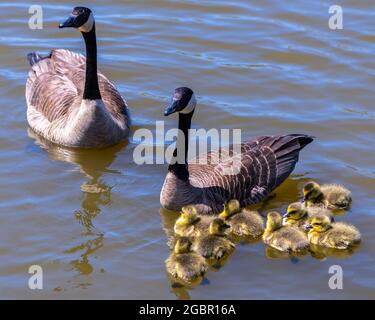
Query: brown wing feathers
56, 82
265, 163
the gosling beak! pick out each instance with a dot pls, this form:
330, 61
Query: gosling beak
69, 23
172, 108
305, 196
286, 215
309, 226
226, 226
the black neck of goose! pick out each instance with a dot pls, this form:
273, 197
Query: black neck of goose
91, 91
180, 170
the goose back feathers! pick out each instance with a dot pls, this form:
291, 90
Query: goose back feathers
54, 94
265, 163
71, 103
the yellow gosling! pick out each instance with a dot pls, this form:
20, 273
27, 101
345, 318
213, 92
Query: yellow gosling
184, 264
338, 235
215, 245
284, 238
190, 224
298, 215
243, 223
330, 196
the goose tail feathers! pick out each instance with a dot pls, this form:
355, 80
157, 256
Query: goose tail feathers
286, 150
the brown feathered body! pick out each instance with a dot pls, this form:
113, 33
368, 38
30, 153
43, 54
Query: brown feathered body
57, 111
264, 163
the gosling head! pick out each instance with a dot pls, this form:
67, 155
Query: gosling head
81, 18
182, 245
319, 223
218, 227
274, 221
295, 211
311, 191
188, 215
183, 102
230, 208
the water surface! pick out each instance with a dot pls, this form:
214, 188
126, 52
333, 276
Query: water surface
92, 219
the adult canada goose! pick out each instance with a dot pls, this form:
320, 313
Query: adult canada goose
68, 101
265, 163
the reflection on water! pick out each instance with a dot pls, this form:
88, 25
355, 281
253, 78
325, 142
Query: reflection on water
168, 219
322, 253
272, 253
88, 247
95, 192
180, 291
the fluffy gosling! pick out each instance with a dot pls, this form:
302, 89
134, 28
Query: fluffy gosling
330, 196
284, 238
298, 215
184, 264
215, 245
190, 224
243, 223
338, 235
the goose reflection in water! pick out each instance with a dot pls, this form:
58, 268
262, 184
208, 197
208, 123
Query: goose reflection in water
96, 193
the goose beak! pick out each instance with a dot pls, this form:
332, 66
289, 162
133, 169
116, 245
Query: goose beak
172, 108
69, 23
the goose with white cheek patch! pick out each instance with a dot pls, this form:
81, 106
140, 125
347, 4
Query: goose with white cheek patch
68, 101
264, 163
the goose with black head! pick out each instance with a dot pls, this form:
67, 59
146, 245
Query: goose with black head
68, 101
265, 162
